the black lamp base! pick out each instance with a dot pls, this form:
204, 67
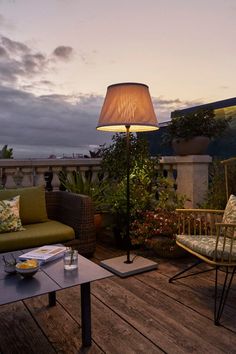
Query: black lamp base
128, 262
120, 267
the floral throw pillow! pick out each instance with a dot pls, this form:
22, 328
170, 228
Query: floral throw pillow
9, 215
229, 216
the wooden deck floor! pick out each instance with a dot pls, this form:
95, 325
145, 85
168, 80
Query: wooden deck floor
139, 314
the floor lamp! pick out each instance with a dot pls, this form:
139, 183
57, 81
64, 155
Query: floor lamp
128, 108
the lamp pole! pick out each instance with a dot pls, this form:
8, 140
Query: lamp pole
128, 261
127, 107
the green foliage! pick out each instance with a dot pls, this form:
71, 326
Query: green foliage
168, 199
142, 195
216, 195
198, 123
96, 153
74, 182
155, 224
152, 224
114, 157
161, 220
142, 175
148, 190
6, 153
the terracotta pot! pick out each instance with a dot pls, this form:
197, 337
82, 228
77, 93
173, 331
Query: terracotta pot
195, 146
102, 220
98, 221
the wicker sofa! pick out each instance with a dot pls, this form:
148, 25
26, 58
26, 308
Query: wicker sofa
76, 211
69, 220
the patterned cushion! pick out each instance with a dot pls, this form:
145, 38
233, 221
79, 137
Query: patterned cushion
9, 215
230, 213
205, 245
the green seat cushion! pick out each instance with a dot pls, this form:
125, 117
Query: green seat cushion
206, 246
32, 203
36, 235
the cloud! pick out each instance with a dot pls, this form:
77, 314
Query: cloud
58, 120
40, 84
3, 52
34, 63
14, 46
50, 120
63, 52
19, 64
10, 71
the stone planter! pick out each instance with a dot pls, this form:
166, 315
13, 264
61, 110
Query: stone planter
195, 146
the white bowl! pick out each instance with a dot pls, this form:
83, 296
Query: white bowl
26, 269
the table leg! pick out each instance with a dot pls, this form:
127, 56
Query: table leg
86, 314
52, 298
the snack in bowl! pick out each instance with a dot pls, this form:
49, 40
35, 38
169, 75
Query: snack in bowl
27, 268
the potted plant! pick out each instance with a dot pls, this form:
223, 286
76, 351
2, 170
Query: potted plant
156, 229
76, 183
142, 180
191, 133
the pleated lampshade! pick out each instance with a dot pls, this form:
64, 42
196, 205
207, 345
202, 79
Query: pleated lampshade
127, 105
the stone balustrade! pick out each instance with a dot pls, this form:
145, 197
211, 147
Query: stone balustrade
189, 173
192, 176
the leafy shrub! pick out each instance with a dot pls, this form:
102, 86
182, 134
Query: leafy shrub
151, 225
216, 195
74, 182
198, 123
6, 153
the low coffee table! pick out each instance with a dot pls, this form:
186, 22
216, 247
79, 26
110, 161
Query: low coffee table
50, 278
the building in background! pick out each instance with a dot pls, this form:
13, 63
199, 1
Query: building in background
222, 147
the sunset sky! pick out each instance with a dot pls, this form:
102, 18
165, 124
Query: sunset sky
57, 58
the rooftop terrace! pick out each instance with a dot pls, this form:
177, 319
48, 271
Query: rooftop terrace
139, 314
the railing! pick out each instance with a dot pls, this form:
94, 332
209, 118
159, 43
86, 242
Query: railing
189, 173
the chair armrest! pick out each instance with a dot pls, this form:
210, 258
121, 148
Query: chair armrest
77, 211
203, 211
226, 229
198, 221
223, 224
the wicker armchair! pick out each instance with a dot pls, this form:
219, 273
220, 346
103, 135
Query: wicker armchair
202, 234
74, 210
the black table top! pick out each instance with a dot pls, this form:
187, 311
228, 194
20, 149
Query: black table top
50, 277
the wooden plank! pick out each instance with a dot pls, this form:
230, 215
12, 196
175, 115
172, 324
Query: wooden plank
170, 325
19, 333
113, 334
141, 314
201, 281
58, 325
193, 292
170, 267
103, 252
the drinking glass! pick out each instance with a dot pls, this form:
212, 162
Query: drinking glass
70, 259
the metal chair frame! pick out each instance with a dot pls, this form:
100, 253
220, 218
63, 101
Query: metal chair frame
208, 222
